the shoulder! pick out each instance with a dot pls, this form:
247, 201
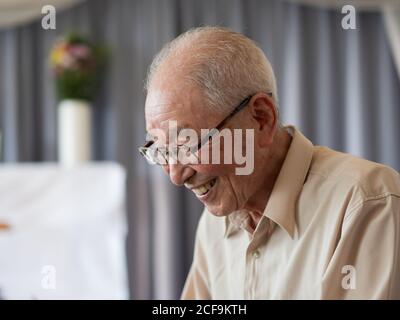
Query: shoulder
368, 178
354, 192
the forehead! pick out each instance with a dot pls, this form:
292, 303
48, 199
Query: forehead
185, 106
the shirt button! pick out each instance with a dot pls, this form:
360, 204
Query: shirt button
256, 254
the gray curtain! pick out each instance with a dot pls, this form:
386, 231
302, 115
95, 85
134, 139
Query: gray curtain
338, 86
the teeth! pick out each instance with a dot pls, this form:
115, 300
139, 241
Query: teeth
203, 189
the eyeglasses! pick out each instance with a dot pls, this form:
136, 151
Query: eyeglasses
160, 155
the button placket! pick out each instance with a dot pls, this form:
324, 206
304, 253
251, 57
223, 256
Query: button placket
253, 255
256, 254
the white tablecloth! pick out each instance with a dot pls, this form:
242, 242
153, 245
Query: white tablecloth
67, 230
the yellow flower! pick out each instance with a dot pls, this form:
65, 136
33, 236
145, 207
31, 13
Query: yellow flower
58, 55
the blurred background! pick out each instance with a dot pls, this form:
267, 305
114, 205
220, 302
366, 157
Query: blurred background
110, 225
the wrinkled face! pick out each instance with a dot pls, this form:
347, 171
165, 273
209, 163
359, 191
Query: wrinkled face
217, 185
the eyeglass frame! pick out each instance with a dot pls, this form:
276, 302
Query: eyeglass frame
203, 141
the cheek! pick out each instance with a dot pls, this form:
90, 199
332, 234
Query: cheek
239, 188
214, 169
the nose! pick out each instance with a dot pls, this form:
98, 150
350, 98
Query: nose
178, 173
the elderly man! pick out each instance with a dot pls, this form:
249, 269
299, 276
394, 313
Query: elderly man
306, 222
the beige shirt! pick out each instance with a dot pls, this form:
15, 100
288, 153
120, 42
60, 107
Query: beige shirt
331, 230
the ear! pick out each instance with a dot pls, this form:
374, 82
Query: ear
265, 117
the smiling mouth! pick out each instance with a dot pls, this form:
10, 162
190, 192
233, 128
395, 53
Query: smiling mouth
204, 188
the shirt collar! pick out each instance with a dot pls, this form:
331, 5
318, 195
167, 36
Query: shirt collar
281, 206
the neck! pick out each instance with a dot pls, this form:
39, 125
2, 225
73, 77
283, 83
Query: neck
270, 169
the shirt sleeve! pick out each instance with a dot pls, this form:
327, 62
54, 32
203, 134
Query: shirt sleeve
197, 284
366, 261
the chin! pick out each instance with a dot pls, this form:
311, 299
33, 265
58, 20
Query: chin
219, 211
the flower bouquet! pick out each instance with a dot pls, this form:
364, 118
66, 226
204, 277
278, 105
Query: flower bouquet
77, 65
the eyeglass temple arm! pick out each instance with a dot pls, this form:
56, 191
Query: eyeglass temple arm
222, 123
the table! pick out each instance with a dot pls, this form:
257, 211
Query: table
63, 231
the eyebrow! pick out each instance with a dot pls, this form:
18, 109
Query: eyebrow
178, 128
152, 138
184, 126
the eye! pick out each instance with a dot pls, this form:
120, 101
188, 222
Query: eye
183, 140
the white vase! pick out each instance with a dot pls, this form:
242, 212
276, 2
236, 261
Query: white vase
74, 132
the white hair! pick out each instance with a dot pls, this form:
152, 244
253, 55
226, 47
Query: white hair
225, 65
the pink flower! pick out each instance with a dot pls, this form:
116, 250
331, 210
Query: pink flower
79, 51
